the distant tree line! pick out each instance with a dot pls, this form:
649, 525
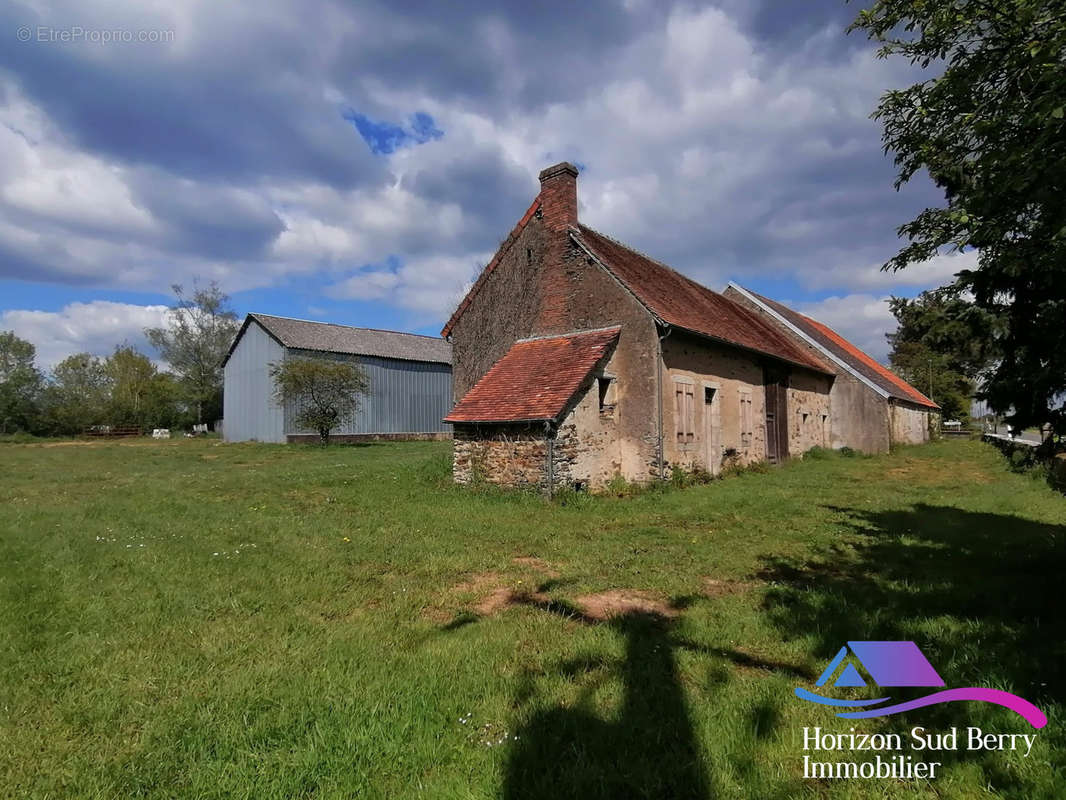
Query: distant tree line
125, 388
945, 346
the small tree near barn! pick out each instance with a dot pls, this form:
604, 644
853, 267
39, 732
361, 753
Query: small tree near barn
325, 392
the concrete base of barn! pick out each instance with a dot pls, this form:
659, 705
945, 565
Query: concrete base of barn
356, 438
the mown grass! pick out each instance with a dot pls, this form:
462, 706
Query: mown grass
193, 619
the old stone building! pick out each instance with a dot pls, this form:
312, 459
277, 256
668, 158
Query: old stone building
576, 358
872, 407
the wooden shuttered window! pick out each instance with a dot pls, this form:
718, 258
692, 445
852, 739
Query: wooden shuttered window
746, 418
685, 412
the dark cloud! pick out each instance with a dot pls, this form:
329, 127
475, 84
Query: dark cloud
207, 219
283, 139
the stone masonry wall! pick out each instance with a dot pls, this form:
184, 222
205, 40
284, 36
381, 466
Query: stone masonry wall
507, 455
808, 412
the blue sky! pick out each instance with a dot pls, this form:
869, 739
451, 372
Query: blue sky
359, 163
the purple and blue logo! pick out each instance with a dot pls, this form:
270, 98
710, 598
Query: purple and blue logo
891, 664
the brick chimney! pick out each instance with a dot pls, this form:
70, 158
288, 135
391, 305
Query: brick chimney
558, 196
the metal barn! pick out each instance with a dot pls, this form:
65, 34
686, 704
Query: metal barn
410, 380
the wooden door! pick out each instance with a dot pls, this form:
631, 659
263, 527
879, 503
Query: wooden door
776, 384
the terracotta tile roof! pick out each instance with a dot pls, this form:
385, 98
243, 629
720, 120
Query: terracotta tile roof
536, 379
325, 337
504, 247
844, 351
896, 386
680, 301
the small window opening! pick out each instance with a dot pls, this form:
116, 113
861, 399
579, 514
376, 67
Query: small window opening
805, 415
529, 256
607, 393
708, 395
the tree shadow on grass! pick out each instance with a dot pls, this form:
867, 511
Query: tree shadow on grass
980, 593
648, 750
648, 747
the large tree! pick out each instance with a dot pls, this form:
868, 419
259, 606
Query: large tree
139, 393
943, 345
989, 127
77, 395
20, 384
323, 392
197, 338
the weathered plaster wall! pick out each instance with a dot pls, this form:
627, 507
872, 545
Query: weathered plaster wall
858, 416
809, 418
727, 371
594, 299
909, 425
590, 447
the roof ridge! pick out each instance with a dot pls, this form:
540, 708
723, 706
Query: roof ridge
258, 314
902, 390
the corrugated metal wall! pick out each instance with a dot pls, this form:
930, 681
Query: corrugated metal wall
404, 397
249, 410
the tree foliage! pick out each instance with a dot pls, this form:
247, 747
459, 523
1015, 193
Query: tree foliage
990, 130
944, 346
20, 383
200, 331
139, 393
324, 392
78, 394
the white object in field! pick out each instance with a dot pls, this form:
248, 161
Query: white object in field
161, 433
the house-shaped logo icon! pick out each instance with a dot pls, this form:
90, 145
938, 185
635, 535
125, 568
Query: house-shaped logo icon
900, 664
887, 664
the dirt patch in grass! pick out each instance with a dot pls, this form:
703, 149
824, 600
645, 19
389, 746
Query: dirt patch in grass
495, 601
619, 602
480, 583
489, 593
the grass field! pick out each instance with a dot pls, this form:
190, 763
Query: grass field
193, 619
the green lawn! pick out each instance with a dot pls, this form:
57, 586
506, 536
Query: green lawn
193, 619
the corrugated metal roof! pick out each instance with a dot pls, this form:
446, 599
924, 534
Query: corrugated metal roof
680, 301
846, 353
326, 337
536, 379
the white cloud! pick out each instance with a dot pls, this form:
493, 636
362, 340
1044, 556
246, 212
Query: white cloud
706, 146
937, 271
95, 328
420, 285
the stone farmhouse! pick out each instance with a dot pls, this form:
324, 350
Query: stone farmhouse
576, 359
